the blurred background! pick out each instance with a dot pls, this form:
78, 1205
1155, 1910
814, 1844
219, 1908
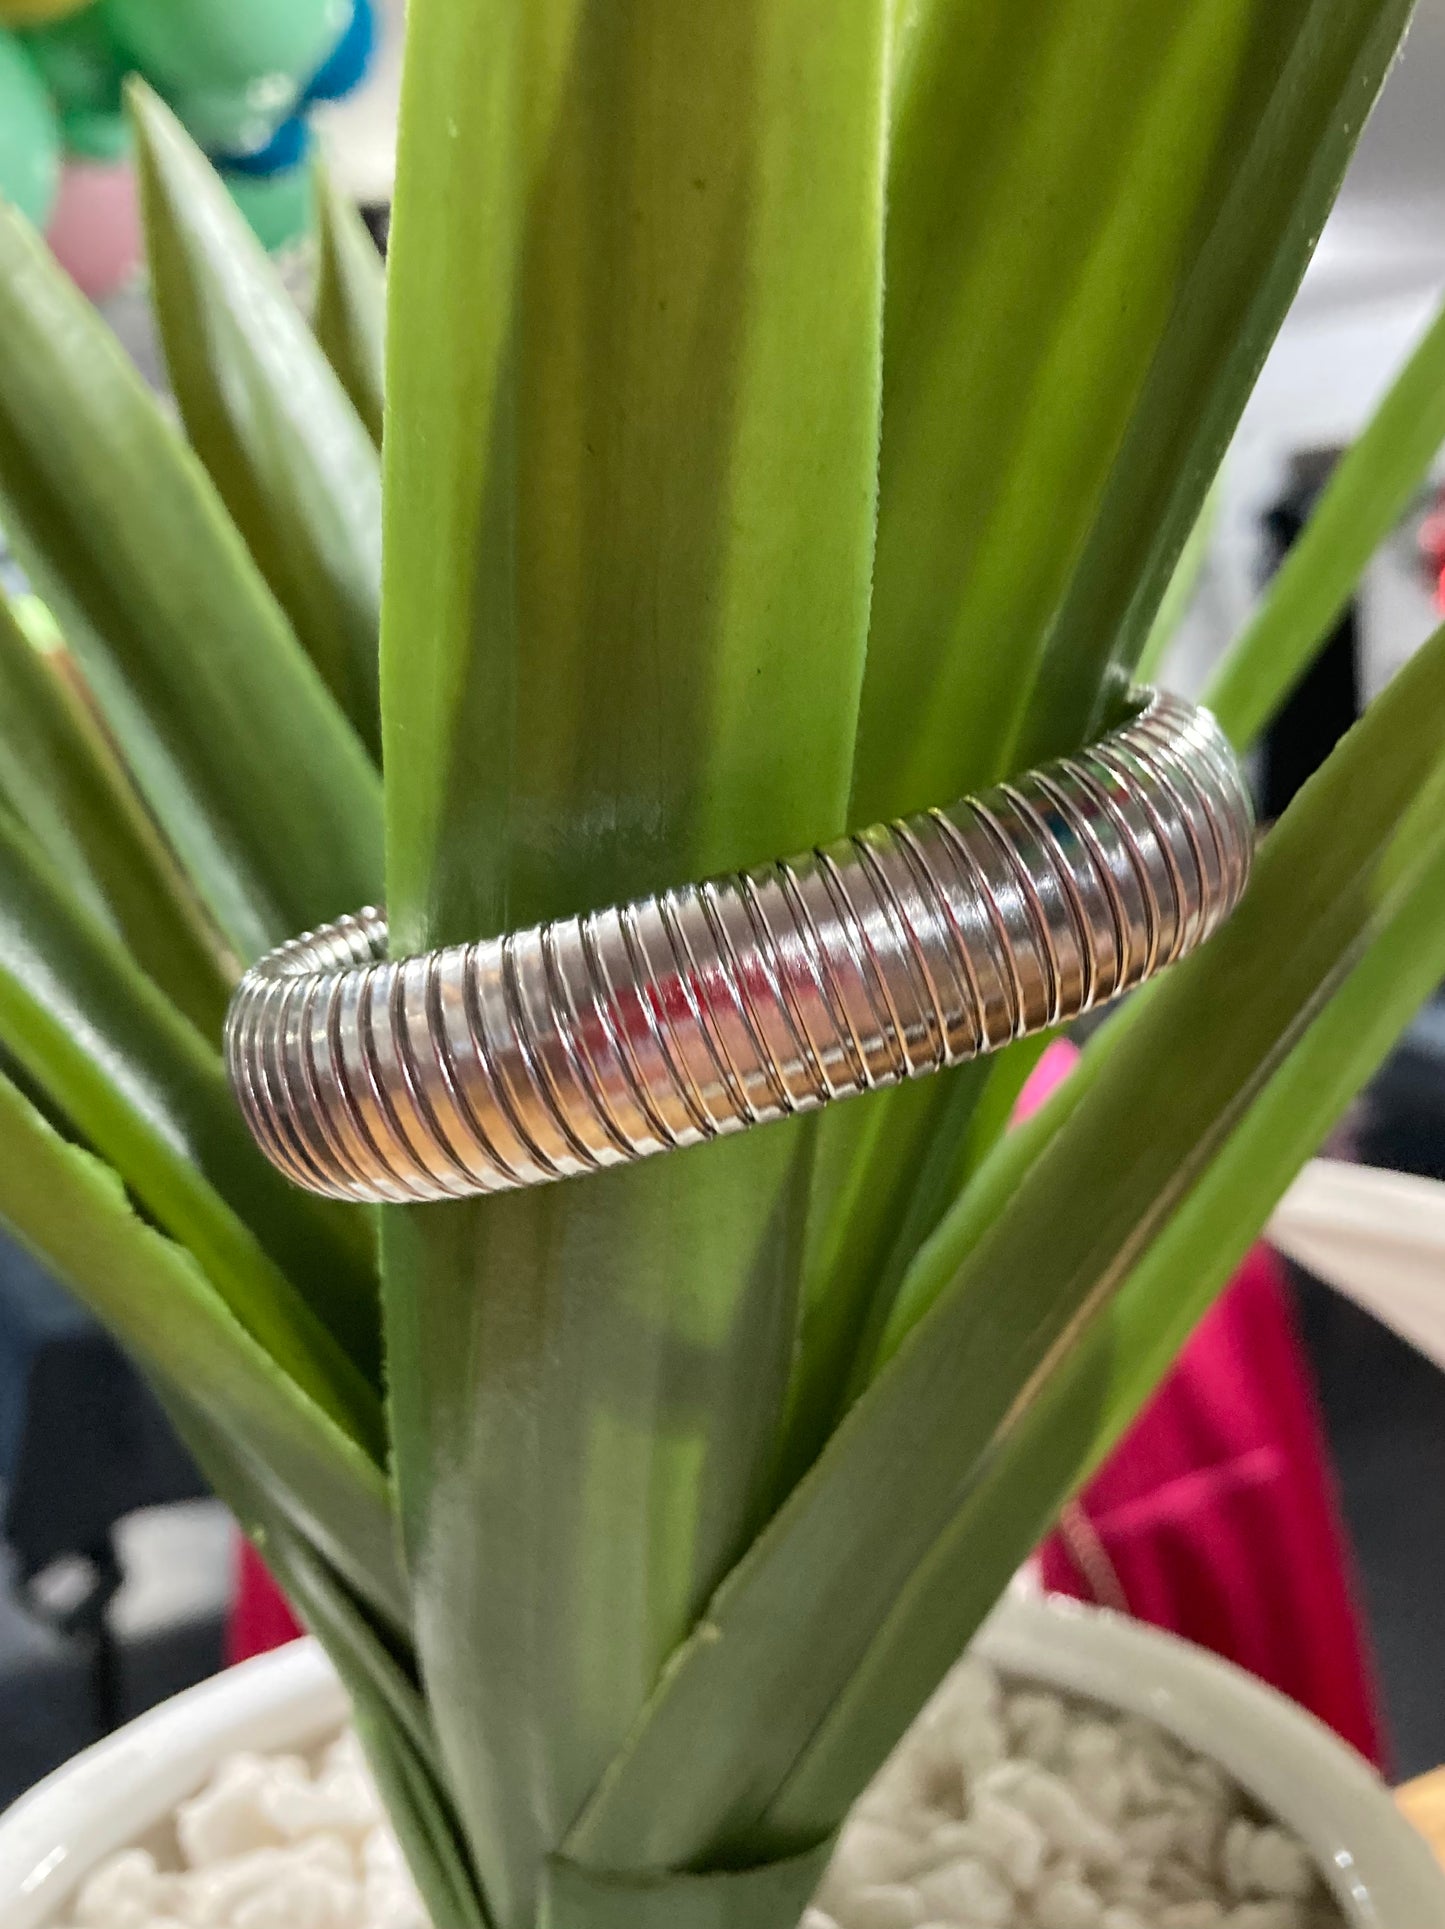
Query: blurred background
118, 1575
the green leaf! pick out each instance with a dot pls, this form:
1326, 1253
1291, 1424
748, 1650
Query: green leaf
1363, 501
137, 1082
72, 1212
350, 319
1308, 75
630, 451
779, 1892
265, 411
1174, 606
373, 1663
263, 790
394, 1725
63, 779
1051, 1442
1097, 218
801, 1669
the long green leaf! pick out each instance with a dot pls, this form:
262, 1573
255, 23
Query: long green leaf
1097, 217
263, 790
630, 451
395, 1729
1174, 604
265, 411
1362, 502
63, 780
1050, 1443
72, 1212
373, 1663
1088, 1190
1310, 75
350, 319
134, 1079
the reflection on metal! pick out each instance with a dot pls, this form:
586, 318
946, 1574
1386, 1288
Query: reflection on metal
601, 1039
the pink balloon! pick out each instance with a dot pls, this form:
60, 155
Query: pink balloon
95, 231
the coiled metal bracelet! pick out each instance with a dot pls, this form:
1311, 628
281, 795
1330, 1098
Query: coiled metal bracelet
601, 1039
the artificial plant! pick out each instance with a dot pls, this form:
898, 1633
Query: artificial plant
794, 414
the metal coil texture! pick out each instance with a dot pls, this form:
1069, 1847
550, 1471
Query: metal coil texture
601, 1039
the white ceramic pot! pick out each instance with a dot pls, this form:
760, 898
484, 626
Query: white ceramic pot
1385, 1877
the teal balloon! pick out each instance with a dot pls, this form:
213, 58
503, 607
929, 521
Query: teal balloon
235, 121
281, 208
227, 49
96, 134
29, 135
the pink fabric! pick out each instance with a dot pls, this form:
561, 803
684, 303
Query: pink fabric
1215, 1519
260, 1618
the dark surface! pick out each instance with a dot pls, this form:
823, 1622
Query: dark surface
82, 1444
82, 1441
47, 1712
1384, 1410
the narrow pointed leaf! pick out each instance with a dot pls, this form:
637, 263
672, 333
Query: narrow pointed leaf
1174, 605
350, 318
262, 788
374, 1666
265, 411
1052, 1442
395, 1728
1084, 272
64, 781
1082, 1192
1363, 501
630, 451
139, 1085
1097, 218
72, 1212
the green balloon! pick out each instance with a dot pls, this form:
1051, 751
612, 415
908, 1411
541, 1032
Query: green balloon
80, 63
281, 208
226, 47
29, 135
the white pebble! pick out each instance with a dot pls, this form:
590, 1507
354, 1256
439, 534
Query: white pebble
1057, 1810
1010, 1839
1038, 1723
123, 1892
887, 1906
1068, 1905
1265, 1862
229, 1818
1265, 1915
968, 1891
310, 1899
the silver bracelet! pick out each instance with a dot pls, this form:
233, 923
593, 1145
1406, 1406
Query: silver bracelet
596, 1040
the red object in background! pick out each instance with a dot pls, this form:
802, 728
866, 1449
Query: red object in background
260, 1618
1215, 1518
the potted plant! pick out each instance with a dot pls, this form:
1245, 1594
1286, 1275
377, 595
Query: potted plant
794, 416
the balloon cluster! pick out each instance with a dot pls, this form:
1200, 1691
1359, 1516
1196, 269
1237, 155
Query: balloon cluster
241, 75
